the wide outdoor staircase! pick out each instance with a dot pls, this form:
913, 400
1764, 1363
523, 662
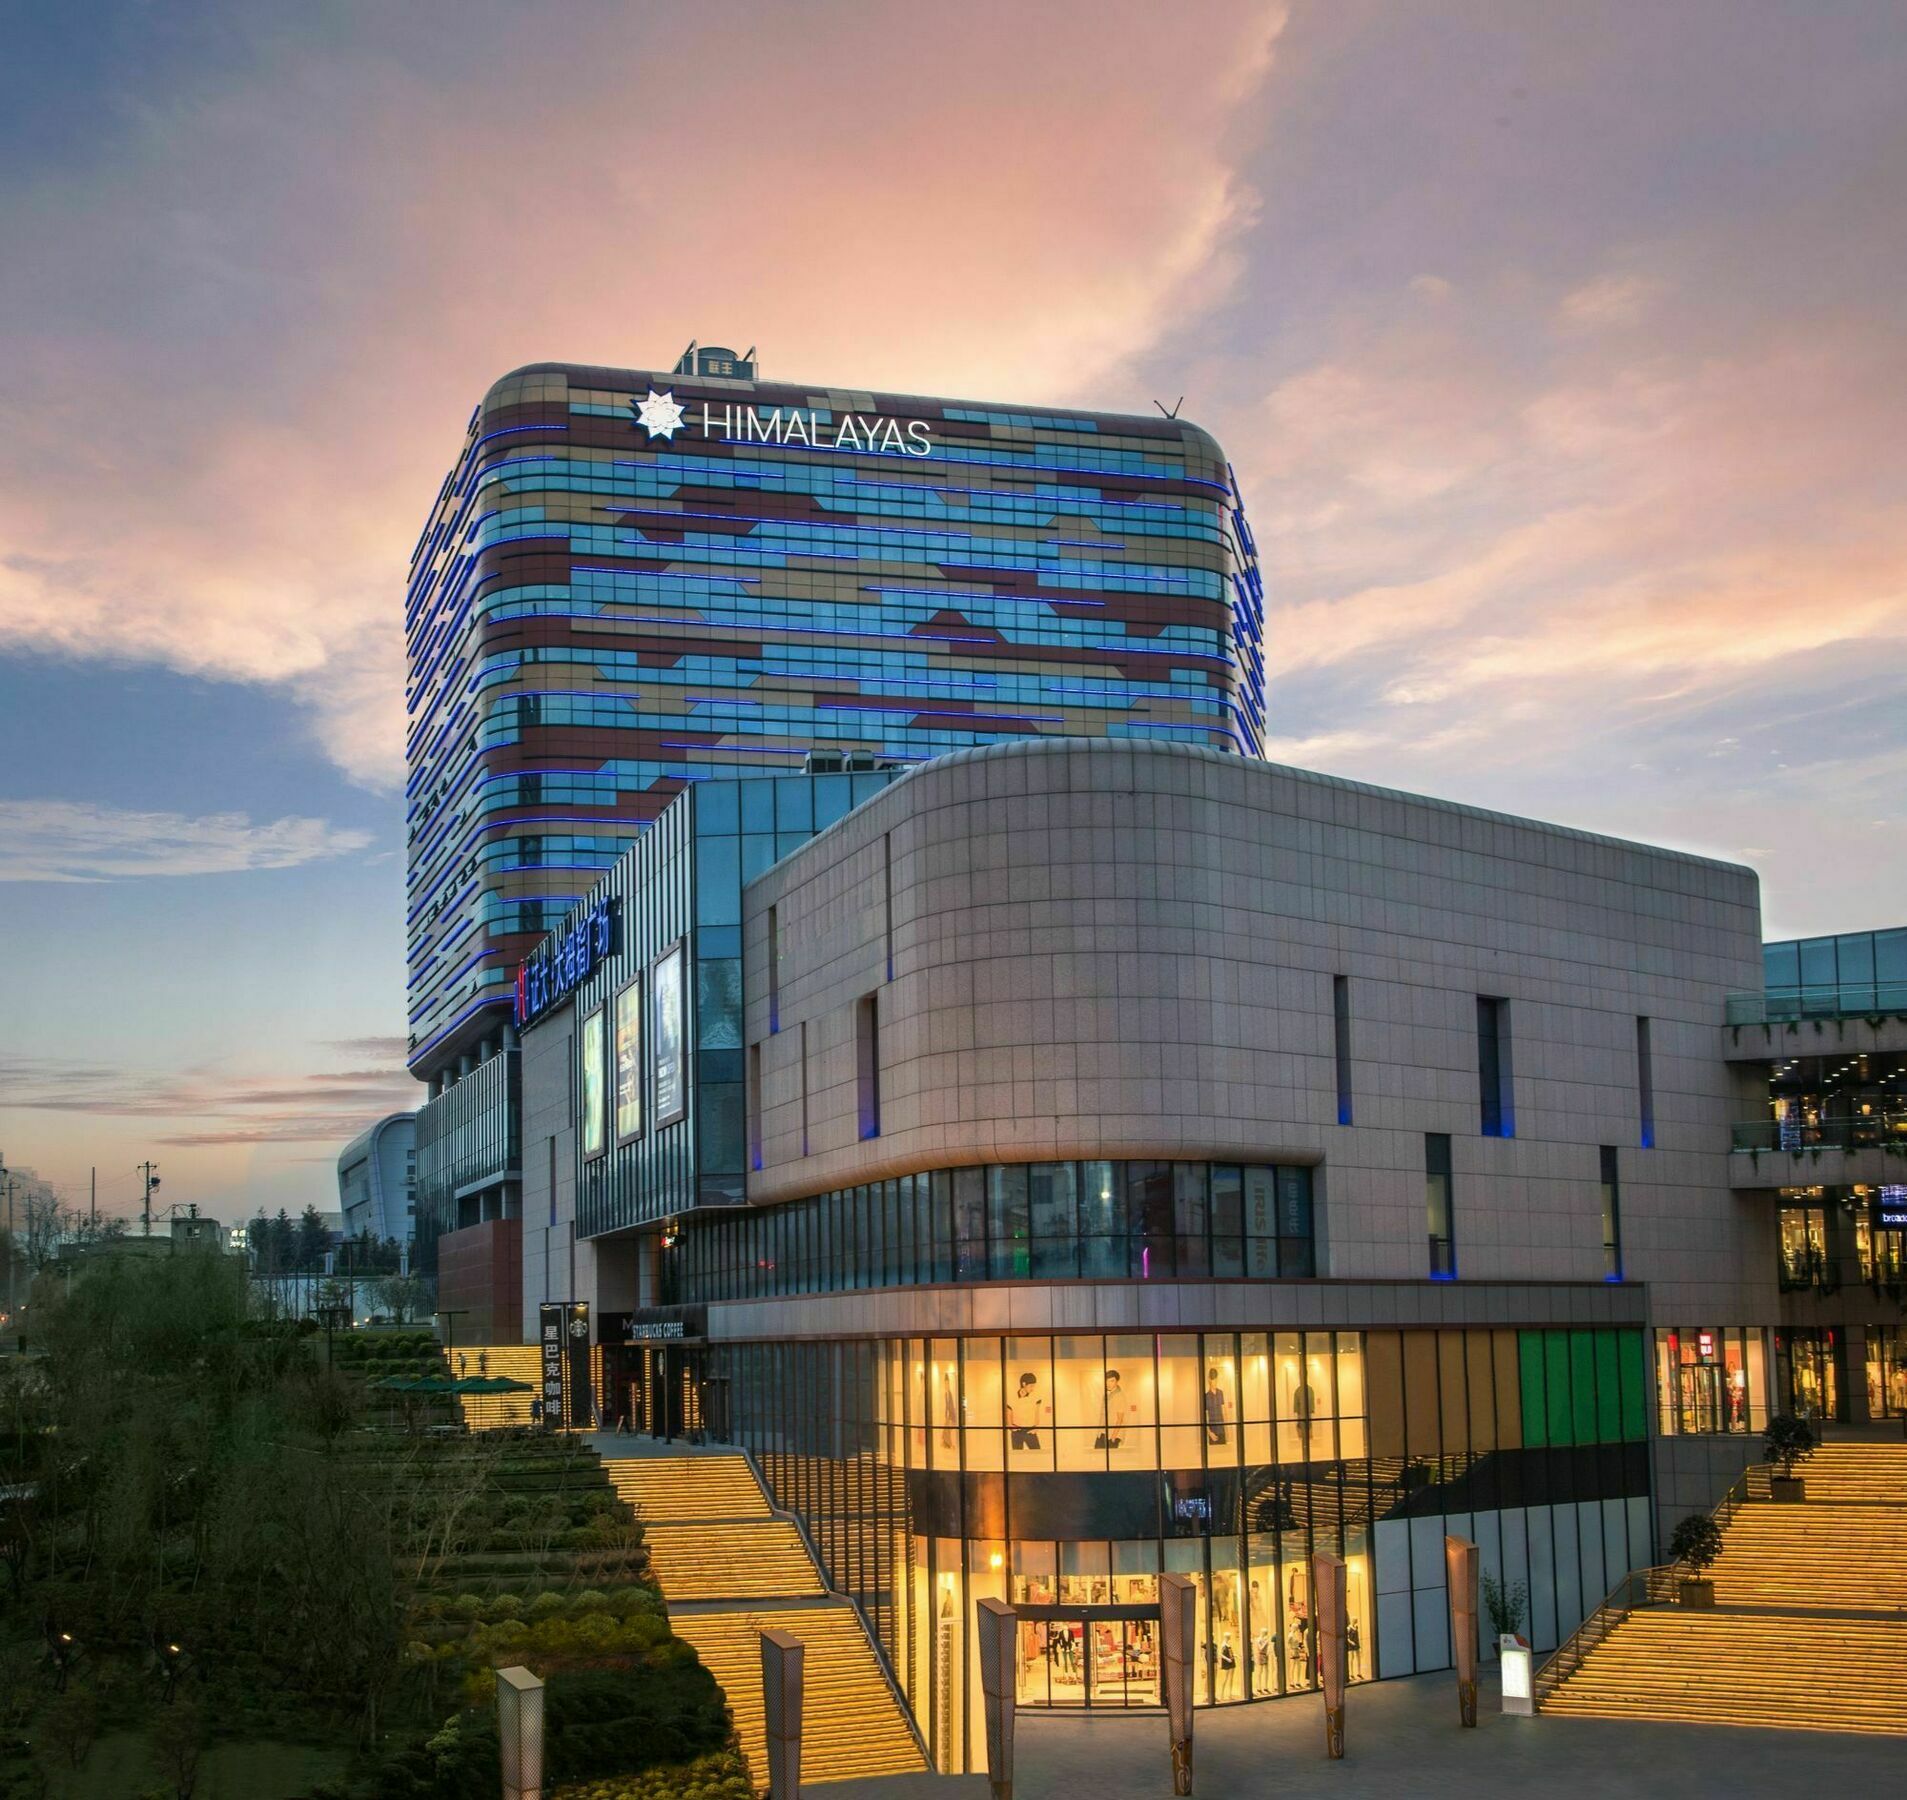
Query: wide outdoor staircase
689, 1487
738, 1559
1742, 1668
1814, 1555
852, 1726
730, 1568
1809, 1627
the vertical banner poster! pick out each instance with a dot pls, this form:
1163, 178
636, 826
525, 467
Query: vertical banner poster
578, 1390
549, 1334
592, 1086
670, 1037
629, 1063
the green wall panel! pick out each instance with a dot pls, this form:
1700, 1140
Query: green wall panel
1529, 1364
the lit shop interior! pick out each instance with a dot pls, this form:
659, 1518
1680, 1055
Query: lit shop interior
1850, 1101
1835, 1237
1065, 1473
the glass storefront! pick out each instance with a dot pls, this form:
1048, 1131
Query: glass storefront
1886, 1372
1808, 1373
1710, 1378
1065, 1473
1833, 1237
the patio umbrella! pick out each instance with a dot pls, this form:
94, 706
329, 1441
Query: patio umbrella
493, 1384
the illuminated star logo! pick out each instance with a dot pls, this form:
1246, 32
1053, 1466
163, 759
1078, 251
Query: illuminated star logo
660, 415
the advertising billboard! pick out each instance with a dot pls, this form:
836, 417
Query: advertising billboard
669, 1036
592, 1087
629, 1063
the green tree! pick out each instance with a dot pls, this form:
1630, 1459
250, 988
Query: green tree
313, 1240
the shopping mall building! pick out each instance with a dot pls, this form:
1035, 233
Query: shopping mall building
861, 961
1071, 1160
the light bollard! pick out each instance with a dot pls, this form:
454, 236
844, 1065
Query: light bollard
997, 1623
782, 1658
1178, 1633
1329, 1589
520, 1733
1460, 1572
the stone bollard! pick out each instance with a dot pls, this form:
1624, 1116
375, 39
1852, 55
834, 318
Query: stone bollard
998, 1625
1333, 1616
1178, 1633
782, 1656
1460, 1572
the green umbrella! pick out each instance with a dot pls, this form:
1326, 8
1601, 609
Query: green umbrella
493, 1384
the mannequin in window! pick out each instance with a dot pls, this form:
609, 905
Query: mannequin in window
949, 1412
1023, 1413
1214, 1408
1118, 1411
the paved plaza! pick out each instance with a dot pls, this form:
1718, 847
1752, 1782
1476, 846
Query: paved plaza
1403, 1740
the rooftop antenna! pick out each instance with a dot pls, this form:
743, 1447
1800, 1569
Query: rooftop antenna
1176, 404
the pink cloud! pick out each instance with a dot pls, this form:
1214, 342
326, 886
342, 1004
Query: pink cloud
245, 357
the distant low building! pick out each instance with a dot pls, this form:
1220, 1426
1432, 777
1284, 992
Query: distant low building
376, 1178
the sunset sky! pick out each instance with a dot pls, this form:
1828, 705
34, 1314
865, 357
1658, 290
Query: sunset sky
1559, 350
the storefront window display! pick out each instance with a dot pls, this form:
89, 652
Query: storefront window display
1710, 1378
1886, 1372
1065, 1473
1809, 1374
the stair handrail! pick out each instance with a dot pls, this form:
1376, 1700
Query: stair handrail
1740, 1492
1640, 1587
834, 1593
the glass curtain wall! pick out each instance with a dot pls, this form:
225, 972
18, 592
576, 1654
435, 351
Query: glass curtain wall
1065, 1473
1886, 1372
1060, 1221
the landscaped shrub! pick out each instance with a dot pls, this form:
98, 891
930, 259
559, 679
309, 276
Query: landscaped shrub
718, 1777
607, 1723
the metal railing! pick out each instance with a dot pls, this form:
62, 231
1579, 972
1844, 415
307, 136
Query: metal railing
1869, 1131
789, 1516
1639, 1588
1823, 1000
1656, 1586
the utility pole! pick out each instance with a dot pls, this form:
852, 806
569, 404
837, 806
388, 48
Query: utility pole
152, 1181
92, 1205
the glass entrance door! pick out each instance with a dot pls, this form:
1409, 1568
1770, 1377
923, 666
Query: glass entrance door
1702, 1401
1813, 1360
1089, 1656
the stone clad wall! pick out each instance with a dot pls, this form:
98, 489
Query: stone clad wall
1103, 950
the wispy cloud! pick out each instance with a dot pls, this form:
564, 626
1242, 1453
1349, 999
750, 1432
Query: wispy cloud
65, 840
206, 1107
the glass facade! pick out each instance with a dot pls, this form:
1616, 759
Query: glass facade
1810, 1379
1710, 1378
1832, 1238
1886, 1372
1855, 974
1066, 1472
598, 616
1856, 1101
661, 1079
1057, 1221
467, 1140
